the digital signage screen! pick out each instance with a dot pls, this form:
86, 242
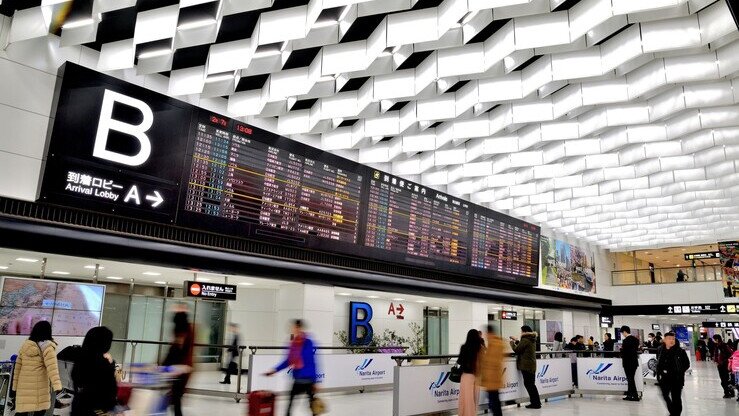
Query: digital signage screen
71, 308
227, 177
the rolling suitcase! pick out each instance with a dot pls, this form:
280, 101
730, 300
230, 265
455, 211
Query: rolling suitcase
261, 403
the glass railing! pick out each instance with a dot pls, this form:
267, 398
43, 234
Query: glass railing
667, 275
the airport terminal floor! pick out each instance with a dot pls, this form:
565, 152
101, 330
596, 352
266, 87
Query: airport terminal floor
702, 396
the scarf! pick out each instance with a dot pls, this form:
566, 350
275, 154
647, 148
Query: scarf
295, 356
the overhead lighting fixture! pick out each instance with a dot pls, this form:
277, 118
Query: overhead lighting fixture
325, 23
151, 274
398, 299
78, 23
27, 260
266, 54
160, 283
344, 294
420, 301
92, 267
219, 78
3, 267
203, 279
469, 16
197, 24
59, 272
246, 284
114, 278
155, 53
345, 12
373, 297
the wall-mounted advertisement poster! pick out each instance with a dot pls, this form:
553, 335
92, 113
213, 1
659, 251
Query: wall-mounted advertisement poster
729, 256
565, 266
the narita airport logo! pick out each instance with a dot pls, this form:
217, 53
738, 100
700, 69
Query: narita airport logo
598, 374
437, 386
363, 370
542, 376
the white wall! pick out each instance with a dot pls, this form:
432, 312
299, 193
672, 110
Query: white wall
255, 311
687, 292
381, 320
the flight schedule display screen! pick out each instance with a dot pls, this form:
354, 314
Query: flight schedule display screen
505, 245
236, 176
199, 170
425, 226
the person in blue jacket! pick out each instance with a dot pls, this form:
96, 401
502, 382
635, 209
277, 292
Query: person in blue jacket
301, 359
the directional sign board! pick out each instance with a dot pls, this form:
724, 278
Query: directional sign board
509, 315
210, 291
674, 309
702, 256
720, 324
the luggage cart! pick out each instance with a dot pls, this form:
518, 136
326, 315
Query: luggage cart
148, 390
6, 378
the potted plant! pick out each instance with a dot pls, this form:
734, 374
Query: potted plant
417, 344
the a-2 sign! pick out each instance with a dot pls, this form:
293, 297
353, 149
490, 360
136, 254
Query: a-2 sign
396, 311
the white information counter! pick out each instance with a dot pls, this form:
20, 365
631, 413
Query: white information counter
427, 389
604, 375
335, 372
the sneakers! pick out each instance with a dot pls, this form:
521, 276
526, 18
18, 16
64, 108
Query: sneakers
531, 406
225, 382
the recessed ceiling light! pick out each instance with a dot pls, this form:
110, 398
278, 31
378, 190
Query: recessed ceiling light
373, 297
3, 267
420, 301
92, 267
344, 294
78, 23
398, 299
677, 265
27, 260
114, 278
197, 24
160, 283
203, 279
246, 284
151, 274
60, 272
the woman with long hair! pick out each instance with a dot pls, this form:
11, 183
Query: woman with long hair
93, 375
469, 360
180, 358
35, 368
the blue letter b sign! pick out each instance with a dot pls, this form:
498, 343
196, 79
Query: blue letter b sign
360, 330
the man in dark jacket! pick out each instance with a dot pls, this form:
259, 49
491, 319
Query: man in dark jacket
525, 350
721, 354
233, 353
672, 363
630, 358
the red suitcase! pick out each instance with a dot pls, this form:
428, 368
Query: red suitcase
261, 403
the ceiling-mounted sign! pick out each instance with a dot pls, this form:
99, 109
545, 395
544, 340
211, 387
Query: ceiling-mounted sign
115, 147
675, 309
509, 315
702, 256
120, 148
606, 321
720, 324
205, 290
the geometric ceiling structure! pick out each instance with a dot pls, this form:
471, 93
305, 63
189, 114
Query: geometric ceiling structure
613, 121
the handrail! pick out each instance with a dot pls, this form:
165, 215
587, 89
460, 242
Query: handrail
255, 348
139, 341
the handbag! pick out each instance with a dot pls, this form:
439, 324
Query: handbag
455, 375
318, 406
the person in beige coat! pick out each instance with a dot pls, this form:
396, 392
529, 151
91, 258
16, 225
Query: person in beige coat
491, 370
35, 368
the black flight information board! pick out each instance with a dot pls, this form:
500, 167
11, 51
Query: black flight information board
187, 166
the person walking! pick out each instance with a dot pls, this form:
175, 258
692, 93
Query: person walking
301, 360
721, 355
672, 363
233, 353
525, 351
609, 343
469, 361
180, 358
93, 375
35, 368
630, 359
491, 370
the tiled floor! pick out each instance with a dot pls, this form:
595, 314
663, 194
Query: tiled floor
702, 396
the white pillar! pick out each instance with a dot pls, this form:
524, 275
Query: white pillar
464, 316
311, 303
